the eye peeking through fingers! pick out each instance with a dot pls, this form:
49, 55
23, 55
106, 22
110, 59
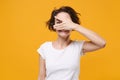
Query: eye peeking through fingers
58, 21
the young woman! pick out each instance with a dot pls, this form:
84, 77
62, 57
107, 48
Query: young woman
60, 59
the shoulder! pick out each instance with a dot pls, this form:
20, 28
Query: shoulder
45, 44
79, 41
42, 47
80, 45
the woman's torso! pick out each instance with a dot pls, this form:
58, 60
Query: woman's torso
62, 64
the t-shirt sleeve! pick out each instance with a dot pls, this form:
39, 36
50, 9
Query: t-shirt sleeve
40, 51
81, 46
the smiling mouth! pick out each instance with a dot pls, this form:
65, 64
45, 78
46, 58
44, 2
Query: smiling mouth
66, 31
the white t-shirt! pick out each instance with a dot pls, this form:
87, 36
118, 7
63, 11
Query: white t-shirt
62, 64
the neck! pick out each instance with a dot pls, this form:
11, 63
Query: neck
63, 42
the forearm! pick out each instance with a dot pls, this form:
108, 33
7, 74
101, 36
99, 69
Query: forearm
92, 36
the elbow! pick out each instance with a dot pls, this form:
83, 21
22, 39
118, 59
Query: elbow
103, 44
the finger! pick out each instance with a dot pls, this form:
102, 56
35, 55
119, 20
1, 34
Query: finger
59, 28
59, 25
60, 19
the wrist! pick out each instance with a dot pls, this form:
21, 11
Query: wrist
76, 27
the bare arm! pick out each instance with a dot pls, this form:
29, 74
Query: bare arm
96, 41
42, 70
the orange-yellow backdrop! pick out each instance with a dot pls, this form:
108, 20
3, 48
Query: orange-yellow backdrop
22, 30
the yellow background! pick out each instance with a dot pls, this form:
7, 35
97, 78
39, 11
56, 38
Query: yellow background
22, 30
